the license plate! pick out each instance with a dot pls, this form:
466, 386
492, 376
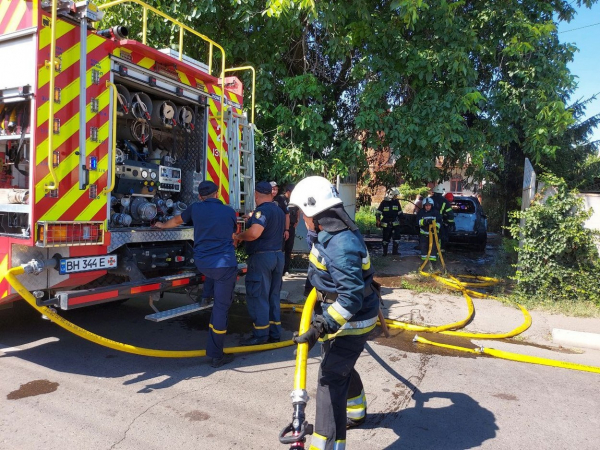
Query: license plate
87, 264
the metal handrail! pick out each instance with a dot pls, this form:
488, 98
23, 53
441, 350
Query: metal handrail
235, 69
51, 65
108, 189
182, 27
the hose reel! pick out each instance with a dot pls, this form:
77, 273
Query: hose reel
186, 118
135, 130
164, 113
141, 106
123, 100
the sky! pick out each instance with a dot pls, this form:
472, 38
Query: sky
584, 32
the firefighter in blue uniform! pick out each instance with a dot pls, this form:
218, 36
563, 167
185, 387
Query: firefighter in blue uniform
387, 218
263, 236
425, 217
346, 312
214, 256
442, 205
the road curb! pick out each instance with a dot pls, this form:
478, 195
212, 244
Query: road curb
576, 338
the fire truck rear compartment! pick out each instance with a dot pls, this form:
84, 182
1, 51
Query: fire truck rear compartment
160, 149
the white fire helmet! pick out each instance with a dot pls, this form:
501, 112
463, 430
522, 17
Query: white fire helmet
314, 195
439, 189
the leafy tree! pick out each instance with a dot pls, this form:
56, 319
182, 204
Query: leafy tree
481, 83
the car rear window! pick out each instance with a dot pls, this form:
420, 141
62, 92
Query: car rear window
463, 207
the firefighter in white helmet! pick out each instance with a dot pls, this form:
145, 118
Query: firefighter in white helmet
387, 218
346, 312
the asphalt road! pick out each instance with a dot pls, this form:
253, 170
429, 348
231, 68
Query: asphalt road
58, 391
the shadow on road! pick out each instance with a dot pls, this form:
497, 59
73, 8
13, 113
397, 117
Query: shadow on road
448, 420
39, 341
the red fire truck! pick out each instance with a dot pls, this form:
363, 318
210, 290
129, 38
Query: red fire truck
100, 137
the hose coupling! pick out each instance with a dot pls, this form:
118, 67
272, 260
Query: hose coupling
299, 396
35, 266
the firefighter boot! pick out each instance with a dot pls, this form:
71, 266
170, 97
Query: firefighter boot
385, 248
395, 248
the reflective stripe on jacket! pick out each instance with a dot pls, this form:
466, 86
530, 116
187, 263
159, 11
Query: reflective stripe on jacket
340, 268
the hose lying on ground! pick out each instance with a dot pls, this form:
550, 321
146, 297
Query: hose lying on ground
88, 335
454, 282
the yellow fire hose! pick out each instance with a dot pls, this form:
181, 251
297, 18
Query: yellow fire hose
69, 326
302, 352
512, 356
478, 281
295, 433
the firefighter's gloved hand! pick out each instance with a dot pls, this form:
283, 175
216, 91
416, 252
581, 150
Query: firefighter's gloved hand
316, 330
452, 226
378, 224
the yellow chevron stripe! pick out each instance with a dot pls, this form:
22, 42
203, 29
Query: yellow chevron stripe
70, 93
95, 205
64, 168
184, 78
74, 193
68, 58
146, 63
3, 270
232, 96
201, 85
69, 128
214, 134
72, 160
62, 28
3, 8
16, 17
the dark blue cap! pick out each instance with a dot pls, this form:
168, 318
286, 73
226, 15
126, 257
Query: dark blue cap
206, 188
264, 187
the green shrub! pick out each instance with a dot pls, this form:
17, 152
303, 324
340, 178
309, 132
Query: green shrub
365, 219
558, 260
409, 192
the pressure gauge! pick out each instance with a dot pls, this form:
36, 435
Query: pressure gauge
144, 174
153, 175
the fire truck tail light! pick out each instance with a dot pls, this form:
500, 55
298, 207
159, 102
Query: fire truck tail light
57, 234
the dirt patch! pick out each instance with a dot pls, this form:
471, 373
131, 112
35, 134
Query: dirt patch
403, 341
33, 388
197, 416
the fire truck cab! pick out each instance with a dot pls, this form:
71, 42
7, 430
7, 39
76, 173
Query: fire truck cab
100, 137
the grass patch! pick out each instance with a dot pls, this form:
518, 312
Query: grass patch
366, 221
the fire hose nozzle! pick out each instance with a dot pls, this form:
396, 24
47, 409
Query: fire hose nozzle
305, 429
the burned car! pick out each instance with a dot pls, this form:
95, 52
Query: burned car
471, 223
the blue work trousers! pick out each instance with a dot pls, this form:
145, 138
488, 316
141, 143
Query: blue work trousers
208, 290
224, 282
263, 283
